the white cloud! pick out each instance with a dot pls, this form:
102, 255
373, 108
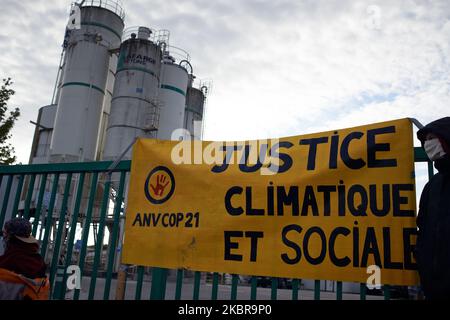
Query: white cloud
279, 68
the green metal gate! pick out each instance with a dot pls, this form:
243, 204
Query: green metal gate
60, 199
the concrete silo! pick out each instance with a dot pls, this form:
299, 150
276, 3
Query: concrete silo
174, 83
195, 108
134, 106
40, 149
83, 85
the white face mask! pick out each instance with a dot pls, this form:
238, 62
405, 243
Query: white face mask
434, 149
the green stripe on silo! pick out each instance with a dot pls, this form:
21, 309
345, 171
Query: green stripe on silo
168, 87
82, 84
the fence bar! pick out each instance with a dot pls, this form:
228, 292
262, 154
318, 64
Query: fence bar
179, 284
254, 286
115, 234
86, 227
51, 206
59, 282
273, 292
73, 227
420, 155
26, 210
164, 282
339, 290
37, 215
61, 227
15, 211
75, 167
316, 289
159, 278
295, 287
430, 170
387, 292
234, 285
197, 278
362, 291
6, 200
100, 236
215, 286
140, 280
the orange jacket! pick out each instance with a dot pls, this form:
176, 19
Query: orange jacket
14, 286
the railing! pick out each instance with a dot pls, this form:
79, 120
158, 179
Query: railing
115, 6
178, 53
156, 36
60, 199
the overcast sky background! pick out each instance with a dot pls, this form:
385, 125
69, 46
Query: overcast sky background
279, 67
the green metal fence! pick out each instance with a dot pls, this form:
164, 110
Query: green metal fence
62, 200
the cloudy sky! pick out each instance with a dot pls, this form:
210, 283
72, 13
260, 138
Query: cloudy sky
279, 67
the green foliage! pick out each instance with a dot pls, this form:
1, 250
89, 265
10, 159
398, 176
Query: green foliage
7, 120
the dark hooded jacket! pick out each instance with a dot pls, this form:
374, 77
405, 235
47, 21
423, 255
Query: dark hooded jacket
23, 258
433, 221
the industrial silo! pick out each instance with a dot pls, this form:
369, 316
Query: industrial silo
84, 81
174, 83
40, 149
195, 104
134, 106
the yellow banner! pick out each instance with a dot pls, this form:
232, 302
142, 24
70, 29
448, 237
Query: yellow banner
337, 205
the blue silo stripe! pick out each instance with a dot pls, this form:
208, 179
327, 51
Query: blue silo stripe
137, 69
168, 87
102, 26
83, 84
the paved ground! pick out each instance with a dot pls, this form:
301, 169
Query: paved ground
224, 292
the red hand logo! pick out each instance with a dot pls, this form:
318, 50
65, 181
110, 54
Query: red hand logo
160, 185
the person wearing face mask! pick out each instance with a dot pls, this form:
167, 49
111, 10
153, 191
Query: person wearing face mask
433, 220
